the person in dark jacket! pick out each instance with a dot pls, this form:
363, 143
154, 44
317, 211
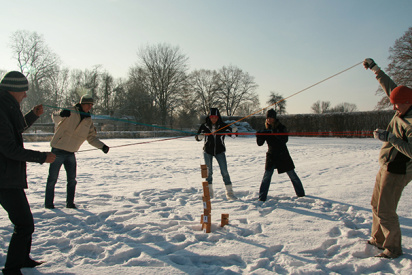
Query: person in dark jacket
277, 156
213, 131
13, 177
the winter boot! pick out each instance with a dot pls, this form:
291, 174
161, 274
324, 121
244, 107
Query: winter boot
229, 192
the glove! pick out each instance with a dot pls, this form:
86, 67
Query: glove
65, 113
368, 63
105, 149
234, 130
199, 137
380, 134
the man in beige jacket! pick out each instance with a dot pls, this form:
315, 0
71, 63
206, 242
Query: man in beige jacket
74, 125
395, 166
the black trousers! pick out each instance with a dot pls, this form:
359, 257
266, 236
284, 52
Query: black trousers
14, 201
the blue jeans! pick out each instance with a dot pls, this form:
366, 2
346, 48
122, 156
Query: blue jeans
68, 159
264, 186
221, 160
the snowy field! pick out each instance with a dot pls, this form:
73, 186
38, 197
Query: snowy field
139, 211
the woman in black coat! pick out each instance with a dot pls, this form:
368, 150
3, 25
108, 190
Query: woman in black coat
277, 156
213, 131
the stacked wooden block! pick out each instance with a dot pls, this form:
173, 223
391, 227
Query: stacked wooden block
206, 219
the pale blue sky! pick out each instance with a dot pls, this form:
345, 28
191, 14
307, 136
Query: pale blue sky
286, 45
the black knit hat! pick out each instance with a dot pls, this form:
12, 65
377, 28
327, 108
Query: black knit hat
214, 112
14, 82
271, 113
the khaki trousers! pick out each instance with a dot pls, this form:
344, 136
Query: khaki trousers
386, 230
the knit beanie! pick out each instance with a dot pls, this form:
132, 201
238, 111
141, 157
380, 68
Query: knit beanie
271, 113
401, 95
214, 112
86, 99
14, 82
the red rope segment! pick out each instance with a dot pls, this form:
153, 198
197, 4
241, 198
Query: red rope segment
330, 133
292, 95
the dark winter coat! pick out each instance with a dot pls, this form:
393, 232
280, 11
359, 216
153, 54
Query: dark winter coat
277, 153
214, 144
13, 156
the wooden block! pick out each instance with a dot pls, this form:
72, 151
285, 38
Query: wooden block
207, 218
203, 168
201, 219
206, 227
206, 203
224, 220
206, 192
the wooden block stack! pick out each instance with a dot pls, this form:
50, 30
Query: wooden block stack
206, 219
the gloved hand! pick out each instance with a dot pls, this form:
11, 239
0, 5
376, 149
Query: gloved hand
380, 134
368, 63
199, 137
105, 149
234, 130
65, 113
260, 139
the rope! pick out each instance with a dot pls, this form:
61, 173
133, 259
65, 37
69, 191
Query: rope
327, 133
307, 88
130, 144
352, 133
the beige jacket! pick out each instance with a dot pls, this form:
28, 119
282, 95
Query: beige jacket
396, 154
70, 132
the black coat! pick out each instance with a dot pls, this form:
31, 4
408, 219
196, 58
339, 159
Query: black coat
13, 156
214, 144
277, 153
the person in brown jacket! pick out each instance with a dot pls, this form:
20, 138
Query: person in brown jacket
74, 125
395, 166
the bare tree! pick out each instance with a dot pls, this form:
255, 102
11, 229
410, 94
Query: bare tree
400, 67
108, 92
165, 68
84, 82
320, 107
37, 62
280, 103
204, 84
137, 101
236, 87
344, 108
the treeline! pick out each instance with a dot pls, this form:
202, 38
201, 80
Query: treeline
159, 89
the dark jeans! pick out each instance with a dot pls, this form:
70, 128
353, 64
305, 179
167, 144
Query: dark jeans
68, 159
14, 201
221, 160
264, 186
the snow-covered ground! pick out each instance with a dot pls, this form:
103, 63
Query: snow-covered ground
140, 207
